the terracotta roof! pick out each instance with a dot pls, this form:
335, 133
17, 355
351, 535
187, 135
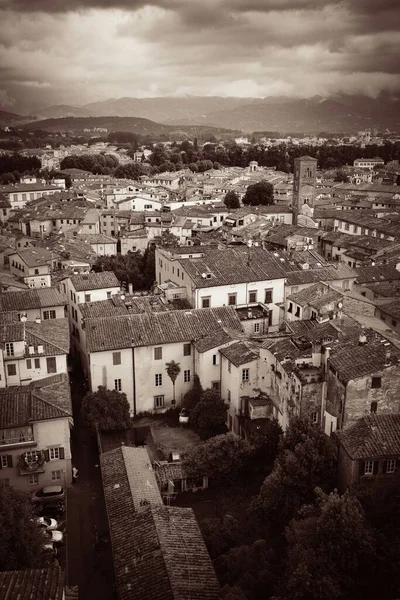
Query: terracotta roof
34, 256
30, 584
372, 436
392, 309
47, 398
158, 551
152, 329
38, 298
233, 265
332, 273
316, 296
170, 471
355, 360
212, 340
377, 274
94, 281
240, 353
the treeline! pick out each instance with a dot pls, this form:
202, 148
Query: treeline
135, 268
98, 164
295, 537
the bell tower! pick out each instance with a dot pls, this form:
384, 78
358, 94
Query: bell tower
304, 184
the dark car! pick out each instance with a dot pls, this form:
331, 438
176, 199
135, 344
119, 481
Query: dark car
49, 495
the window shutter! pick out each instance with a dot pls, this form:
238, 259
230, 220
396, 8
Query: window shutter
47, 455
361, 466
62, 453
10, 460
1, 466
376, 466
384, 466
397, 465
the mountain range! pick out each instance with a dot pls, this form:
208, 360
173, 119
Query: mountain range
341, 114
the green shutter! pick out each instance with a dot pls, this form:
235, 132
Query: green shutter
376, 466
10, 460
62, 453
47, 455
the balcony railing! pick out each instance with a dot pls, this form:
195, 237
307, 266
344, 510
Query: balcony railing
18, 441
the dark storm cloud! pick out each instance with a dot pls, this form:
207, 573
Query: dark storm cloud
77, 51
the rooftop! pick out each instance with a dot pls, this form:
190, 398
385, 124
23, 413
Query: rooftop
240, 353
94, 281
33, 584
149, 329
34, 256
231, 266
44, 399
377, 273
371, 436
158, 551
36, 298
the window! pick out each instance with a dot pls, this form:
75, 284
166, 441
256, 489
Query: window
11, 370
187, 349
158, 379
87, 297
54, 453
232, 299
28, 363
116, 358
252, 297
37, 363
394, 323
290, 309
56, 475
268, 299
314, 417
4, 461
36, 271
118, 385
376, 382
158, 401
297, 314
49, 314
374, 407
158, 353
214, 359
186, 376
108, 295
10, 349
51, 364
245, 374
391, 465
215, 386
33, 479
206, 302
313, 315
229, 366
368, 467
229, 396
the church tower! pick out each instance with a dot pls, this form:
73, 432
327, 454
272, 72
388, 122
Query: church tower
304, 183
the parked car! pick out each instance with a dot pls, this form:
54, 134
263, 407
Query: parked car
49, 495
47, 522
54, 536
184, 416
55, 510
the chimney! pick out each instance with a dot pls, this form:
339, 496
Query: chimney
130, 288
362, 340
249, 313
387, 357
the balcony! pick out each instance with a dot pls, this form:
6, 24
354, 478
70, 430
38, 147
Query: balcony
17, 442
31, 462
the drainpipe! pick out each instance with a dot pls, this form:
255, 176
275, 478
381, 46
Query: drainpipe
133, 381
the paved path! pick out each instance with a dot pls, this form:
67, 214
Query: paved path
88, 549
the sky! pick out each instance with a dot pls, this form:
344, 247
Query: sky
80, 51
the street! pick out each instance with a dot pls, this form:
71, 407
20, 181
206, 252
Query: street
89, 558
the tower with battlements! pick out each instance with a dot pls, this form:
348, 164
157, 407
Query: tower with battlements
304, 187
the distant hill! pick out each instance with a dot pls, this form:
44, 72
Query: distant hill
137, 125
62, 110
336, 114
8, 118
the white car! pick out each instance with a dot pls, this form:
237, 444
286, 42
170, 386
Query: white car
54, 536
184, 416
47, 522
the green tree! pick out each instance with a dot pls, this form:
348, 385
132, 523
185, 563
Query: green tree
261, 193
105, 410
208, 418
231, 200
264, 435
21, 545
193, 396
304, 462
223, 458
173, 369
331, 551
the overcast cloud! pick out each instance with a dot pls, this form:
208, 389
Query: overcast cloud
79, 51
